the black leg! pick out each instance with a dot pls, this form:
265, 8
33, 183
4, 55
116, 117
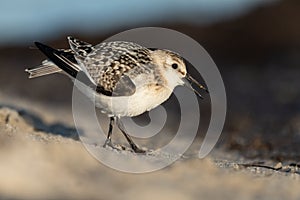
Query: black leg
134, 147
108, 139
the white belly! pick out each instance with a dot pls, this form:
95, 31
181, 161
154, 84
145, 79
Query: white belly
144, 99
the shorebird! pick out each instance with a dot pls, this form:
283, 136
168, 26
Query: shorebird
122, 78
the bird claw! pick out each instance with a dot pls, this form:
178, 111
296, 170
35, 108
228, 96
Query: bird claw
134, 148
108, 143
138, 150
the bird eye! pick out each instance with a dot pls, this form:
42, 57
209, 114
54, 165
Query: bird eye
174, 65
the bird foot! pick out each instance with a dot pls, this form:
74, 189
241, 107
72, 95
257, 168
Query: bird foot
137, 149
134, 148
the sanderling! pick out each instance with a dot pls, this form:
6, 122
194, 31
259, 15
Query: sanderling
122, 78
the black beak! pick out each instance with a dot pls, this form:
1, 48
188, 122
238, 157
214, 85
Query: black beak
189, 81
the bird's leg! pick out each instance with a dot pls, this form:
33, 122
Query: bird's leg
134, 147
108, 139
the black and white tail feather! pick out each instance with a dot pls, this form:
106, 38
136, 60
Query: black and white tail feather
64, 61
47, 67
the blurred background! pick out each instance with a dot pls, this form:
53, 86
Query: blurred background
255, 44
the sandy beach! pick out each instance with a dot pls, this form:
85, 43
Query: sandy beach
39, 164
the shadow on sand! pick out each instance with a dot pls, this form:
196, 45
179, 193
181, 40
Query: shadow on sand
39, 125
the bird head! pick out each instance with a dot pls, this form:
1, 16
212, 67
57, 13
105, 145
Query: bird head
173, 67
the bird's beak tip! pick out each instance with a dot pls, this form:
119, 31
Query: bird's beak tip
191, 80
188, 85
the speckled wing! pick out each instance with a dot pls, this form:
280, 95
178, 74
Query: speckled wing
114, 66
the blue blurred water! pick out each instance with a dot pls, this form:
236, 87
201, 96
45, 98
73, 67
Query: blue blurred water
22, 21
